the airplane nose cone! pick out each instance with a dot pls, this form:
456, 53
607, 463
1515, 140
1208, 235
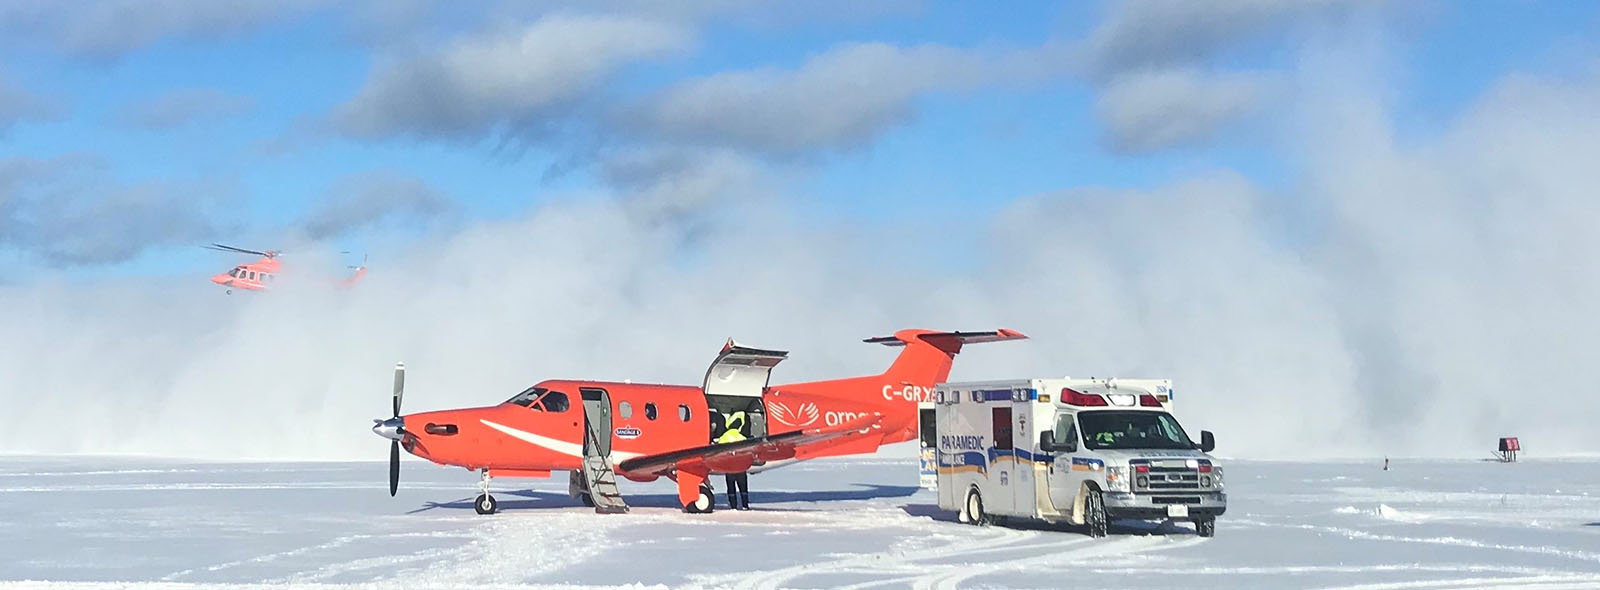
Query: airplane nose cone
220, 279
392, 429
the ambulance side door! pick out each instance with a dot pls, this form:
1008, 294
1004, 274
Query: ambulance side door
1068, 470
999, 496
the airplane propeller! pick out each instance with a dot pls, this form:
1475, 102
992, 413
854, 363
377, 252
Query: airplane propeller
394, 428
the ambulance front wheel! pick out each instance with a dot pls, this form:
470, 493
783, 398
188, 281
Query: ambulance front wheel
702, 503
486, 504
1205, 527
1094, 514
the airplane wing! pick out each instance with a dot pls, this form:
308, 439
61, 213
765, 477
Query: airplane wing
770, 448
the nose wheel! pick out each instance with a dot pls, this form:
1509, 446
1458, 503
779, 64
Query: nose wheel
485, 504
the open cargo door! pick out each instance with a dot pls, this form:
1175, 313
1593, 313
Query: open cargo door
735, 383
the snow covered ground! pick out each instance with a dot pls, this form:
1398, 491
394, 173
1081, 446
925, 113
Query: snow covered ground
148, 523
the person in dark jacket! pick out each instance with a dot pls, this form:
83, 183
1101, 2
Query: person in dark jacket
739, 482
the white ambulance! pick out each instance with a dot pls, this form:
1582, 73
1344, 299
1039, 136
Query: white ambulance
1083, 451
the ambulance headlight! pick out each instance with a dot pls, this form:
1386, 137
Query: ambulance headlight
1117, 479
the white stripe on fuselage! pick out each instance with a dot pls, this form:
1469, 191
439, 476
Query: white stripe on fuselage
557, 445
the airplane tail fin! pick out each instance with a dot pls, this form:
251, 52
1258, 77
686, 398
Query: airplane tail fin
928, 355
355, 278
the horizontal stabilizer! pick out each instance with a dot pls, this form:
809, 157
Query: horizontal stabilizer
962, 337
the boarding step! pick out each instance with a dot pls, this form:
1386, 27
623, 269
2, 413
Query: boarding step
599, 480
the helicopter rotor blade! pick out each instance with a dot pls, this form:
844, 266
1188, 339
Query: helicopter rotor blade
227, 248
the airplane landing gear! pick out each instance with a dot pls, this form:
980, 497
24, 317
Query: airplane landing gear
703, 503
485, 504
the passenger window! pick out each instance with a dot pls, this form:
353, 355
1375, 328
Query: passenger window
624, 410
650, 411
252, 275
683, 412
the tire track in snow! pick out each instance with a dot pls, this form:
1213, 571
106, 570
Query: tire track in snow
902, 566
879, 562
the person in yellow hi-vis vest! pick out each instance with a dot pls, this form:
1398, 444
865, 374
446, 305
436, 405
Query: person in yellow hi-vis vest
735, 425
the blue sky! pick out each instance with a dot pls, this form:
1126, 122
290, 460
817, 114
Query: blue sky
260, 142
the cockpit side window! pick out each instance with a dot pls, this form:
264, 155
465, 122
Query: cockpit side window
555, 401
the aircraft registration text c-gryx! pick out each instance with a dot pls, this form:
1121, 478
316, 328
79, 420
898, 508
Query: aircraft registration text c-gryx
910, 393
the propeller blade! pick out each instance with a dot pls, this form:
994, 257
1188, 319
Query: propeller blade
227, 248
399, 385
394, 468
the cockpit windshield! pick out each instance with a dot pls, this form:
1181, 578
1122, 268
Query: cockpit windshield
527, 396
540, 399
1132, 430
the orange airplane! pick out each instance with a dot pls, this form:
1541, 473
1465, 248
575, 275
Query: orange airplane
259, 275
597, 430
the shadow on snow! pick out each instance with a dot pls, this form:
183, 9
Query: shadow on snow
532, 499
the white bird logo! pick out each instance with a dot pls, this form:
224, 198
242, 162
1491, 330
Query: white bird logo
804, 416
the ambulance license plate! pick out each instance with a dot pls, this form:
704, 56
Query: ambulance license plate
1177, 511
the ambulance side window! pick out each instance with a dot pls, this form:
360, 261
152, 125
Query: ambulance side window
1066, 429
1002, 429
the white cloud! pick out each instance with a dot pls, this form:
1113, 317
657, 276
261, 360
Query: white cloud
110, 28
1166, 33
837, 99
502, 80
1150, 110
18, 105
69, 211
362, 201
180, 107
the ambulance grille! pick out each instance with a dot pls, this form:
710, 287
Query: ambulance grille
1165, 476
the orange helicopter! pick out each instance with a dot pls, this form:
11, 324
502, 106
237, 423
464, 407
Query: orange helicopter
259, 275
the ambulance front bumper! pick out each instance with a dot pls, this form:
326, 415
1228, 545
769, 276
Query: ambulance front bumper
1148, 506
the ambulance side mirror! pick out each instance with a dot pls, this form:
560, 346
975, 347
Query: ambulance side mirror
1207, 441
1047, 441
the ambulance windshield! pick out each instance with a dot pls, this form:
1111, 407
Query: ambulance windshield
1132, 430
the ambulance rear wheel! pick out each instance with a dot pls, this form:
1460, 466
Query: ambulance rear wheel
975, 513
485, 504
702, 503
1205, 527
1094, 514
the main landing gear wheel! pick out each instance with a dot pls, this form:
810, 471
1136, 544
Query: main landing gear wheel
975, 513
1094, 514
486, 504
702, 503
586, 499
1205, 527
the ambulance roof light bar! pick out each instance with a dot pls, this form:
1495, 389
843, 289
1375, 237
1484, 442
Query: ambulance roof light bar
1076, 398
